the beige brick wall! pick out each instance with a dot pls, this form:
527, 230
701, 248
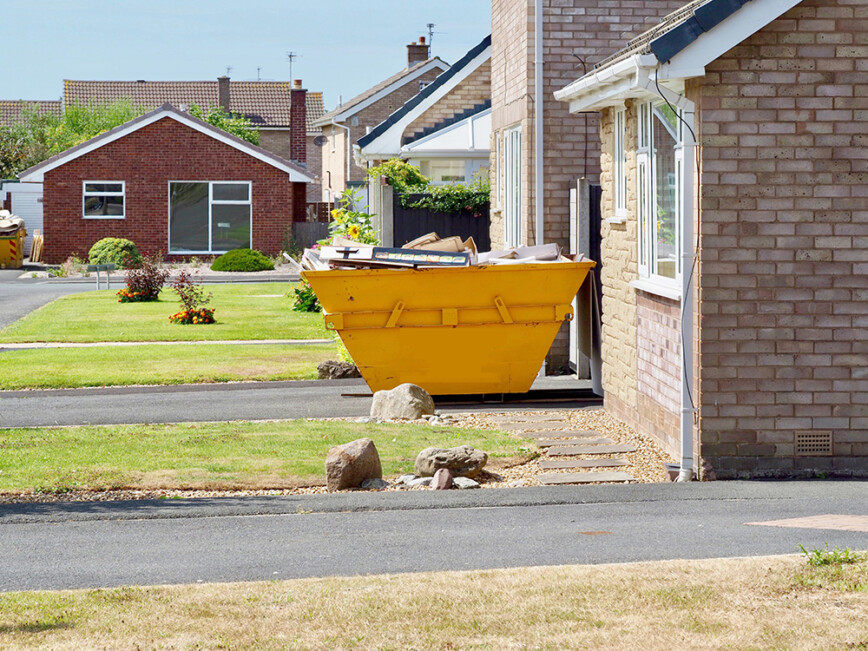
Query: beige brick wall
589, 29
783, 264
473, 90
314, 167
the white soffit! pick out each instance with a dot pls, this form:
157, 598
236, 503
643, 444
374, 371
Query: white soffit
467, 138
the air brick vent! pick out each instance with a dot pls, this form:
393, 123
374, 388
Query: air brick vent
812, 444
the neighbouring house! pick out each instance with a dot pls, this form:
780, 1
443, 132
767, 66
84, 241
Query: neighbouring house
735, 241
344, 126
271, 106
574, 34
13, 111
445, 129
171, 184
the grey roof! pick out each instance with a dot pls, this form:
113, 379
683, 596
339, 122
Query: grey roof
167, 108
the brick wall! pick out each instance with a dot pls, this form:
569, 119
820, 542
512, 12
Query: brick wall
783, 266
473, 90
314, 168
147, 160
589, 29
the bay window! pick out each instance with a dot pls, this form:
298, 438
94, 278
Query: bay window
659, 176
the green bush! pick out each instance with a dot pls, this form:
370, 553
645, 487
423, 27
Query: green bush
243, 260
114, 250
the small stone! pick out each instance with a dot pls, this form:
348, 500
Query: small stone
374, 484
420, 481
406, 401
364, 420
442, 480
348, 465
464, 482
463, 461
516, 483
433, 420
405, 479
332, 370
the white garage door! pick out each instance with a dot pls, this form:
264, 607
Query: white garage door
27, 204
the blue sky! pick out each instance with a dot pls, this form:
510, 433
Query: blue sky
346, 46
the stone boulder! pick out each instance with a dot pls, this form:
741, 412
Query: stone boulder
404, 401
463, 461
348, 465
332, 370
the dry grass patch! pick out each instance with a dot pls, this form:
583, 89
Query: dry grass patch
773, 602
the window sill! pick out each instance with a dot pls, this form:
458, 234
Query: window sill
105, 217
617, 219
650, 287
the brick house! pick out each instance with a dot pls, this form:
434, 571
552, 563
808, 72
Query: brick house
344, 126
445, 128
575, 33
735, 241
169, 183
269, 105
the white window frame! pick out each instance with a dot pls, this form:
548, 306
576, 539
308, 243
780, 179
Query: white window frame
619, 164
512, 186
646, 192
85, 194
211, 203
497, 200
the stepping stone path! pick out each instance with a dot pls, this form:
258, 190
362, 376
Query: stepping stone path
562, 446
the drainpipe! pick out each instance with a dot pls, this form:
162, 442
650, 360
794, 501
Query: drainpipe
688, 257
538, 121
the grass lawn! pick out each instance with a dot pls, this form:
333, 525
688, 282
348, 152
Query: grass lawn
243, 311
54, 368
277, 454
757, 603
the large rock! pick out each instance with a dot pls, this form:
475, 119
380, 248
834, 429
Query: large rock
348, 465
404, 401
463, 461
332, 370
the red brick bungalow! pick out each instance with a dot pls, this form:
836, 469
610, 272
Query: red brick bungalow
169, 183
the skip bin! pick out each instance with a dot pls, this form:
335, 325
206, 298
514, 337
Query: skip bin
12, 249
481, 329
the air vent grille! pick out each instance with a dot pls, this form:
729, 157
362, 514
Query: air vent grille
812, 444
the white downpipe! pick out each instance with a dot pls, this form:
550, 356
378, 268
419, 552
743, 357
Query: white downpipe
688, 256
538, 122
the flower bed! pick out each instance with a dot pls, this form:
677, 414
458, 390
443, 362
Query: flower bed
202, 315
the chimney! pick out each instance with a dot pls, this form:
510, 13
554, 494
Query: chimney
417, 52
298, 123
223, 92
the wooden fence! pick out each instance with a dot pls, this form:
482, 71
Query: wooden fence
410, 223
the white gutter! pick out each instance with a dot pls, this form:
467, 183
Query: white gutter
539, 193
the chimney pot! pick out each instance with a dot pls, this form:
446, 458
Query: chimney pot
296, 83
421, 40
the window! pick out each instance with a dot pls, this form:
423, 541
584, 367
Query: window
209, 217
659, 167
444, 171
497, 198
103, 199
511, 164
619, 170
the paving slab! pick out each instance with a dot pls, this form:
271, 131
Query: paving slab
548, 443
528, 418
553, 479
569, 450
546, 434
567, 464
